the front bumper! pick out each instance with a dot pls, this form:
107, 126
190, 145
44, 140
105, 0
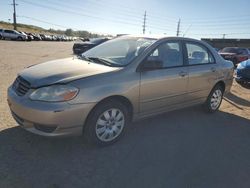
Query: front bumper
48, 119
242, 79
242, 75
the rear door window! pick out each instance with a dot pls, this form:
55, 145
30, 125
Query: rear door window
198, 54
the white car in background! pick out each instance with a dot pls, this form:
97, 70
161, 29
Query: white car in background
12, 34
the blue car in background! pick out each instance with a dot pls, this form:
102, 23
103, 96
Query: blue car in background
243, 73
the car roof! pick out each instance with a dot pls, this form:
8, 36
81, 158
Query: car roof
236, 47
158, 37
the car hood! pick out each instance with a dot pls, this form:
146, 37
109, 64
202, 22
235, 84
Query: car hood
84, 43
62, 71
245, 64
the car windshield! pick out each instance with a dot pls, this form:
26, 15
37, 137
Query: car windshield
120, 51
97, 40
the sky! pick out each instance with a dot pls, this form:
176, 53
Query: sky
198, 18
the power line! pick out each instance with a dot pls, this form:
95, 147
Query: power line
217, 34
128, 9
92, 11
158, 22
79, 14
86, 15
238, 17
42, 21
187, 30
121, 14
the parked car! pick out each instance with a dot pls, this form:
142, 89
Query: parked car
42, 36
80, 47
12, 34
124, 79
46, 37
243, 73
28, 36
36, 37
235, 54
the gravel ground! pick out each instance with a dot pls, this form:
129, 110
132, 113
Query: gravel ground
185, 148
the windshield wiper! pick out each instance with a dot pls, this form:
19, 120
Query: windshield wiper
102, 61
84, 58
99, 60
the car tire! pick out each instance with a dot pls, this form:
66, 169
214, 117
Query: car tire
106, 123
1, 37
214, 99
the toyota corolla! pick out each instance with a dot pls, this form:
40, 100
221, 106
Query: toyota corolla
100, 92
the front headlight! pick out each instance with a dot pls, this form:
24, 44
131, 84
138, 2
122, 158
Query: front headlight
54, 93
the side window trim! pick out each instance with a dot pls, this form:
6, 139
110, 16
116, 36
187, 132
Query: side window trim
202, 46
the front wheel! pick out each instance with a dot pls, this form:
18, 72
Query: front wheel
214, 99
106, 123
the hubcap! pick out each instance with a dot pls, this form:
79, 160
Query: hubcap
216, 99
110, 125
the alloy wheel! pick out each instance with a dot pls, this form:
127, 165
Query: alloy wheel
216, 99
109, 125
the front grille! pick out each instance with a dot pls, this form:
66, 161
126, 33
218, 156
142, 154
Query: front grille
21, 86
245, 73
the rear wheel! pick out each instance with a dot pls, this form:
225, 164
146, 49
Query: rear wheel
106, 123
214, 99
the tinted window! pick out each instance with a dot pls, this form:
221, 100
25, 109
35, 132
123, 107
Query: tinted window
167, 55
229, 50
239, 51
198, 54
98, 40
9, 31
242, 51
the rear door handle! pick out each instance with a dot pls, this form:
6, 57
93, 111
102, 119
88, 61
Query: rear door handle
183, 73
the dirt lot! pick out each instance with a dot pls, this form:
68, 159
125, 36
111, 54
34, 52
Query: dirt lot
185, 148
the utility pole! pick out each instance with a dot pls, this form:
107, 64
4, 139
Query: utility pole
144, 23
224, 36
178, 28
14, 14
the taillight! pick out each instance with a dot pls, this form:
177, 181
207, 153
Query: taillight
242, 58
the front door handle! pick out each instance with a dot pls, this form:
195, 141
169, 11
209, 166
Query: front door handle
183, 73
